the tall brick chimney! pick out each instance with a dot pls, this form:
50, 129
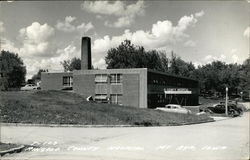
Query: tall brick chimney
86, 54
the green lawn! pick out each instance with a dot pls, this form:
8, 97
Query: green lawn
58, 107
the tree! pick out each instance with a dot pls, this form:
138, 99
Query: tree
245, 78
70, 65
37, 77
216, 76
127, 55
180, 67
12, 70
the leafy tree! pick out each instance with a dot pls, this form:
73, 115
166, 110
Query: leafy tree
180, 67
70, 65
127, 55
216, 76
245, 78
12, 70
37, 77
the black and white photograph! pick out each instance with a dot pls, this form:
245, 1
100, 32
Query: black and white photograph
125, 80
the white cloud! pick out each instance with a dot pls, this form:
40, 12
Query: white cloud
52, 64
34, 63
36, 32
98, 16
2, 29
67, 25
117, 8
211, 58
189, 43
121, 22
85, 27
35, 39
8, 46
199, 14
162, 35
101, 45
101, 64
104, 7
126, 13
235, 58
247, 32
197, 64
34, 46
68, 52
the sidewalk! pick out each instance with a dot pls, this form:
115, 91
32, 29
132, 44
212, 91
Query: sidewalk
216, 118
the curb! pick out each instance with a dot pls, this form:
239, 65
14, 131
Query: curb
191, 123
64, 125
221, 118
98, 126
12, 150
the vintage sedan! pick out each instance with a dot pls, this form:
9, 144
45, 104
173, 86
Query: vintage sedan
220, 108
29, 87
175, 108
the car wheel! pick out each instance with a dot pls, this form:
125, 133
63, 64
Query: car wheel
232, 113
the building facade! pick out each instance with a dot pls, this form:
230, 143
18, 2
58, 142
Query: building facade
137, 87
56, 81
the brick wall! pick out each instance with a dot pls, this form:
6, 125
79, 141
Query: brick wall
84, 84
53, 81
131, 90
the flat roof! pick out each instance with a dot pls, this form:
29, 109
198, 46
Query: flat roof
168, 74
110, 71
123, 70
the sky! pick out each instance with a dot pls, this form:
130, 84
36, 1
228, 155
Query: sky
44, 33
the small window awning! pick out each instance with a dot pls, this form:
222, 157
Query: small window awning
103, 78
101, 97
178, 92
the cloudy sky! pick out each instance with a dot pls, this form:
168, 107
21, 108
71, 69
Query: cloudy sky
46, 33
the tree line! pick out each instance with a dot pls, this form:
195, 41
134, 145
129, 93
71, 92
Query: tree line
213, 77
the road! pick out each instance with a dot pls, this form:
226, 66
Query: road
222, 140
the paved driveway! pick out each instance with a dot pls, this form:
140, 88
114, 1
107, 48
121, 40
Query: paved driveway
222, 140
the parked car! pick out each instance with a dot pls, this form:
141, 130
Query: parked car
29, 87
174, 108
220, 108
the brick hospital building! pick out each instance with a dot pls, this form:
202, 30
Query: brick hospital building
137, 87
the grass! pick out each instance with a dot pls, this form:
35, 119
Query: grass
58, 107
7, 146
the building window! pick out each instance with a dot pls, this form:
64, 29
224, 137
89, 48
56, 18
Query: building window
115, 78
68, 81
116, 99
101, 98
101, 78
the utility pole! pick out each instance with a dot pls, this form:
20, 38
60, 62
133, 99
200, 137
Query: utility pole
226, 110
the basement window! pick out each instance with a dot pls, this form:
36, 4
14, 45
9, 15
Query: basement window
116, 98
101, 98
67, 81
